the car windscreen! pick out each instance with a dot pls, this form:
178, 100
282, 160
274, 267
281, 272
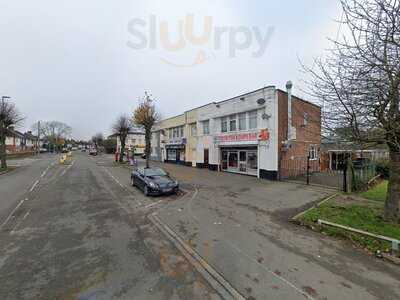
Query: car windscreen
154, 172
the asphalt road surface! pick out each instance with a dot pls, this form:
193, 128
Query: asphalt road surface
75, 232
80, 231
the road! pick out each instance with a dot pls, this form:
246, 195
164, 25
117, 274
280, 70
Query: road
80, 231
16, 185
76, 232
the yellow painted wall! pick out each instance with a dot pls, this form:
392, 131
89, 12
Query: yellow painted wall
191, 117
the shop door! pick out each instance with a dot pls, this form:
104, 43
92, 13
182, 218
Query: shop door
243, 161
224, 160
233, 161
252, 162
206, 159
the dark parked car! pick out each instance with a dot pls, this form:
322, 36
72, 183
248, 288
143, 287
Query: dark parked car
93, 152
154, 181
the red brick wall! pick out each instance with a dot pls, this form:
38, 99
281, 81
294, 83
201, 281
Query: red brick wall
295, 158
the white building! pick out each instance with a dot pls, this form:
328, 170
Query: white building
248, 134
135, 141
229, 134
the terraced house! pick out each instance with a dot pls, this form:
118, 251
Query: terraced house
262, 133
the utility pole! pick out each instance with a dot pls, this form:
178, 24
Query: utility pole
38, 139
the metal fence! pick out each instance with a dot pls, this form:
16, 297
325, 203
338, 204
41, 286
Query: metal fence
311, 172
308, 171
361, 176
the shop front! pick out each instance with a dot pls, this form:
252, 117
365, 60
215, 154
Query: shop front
238, 153
175, 154
243, 160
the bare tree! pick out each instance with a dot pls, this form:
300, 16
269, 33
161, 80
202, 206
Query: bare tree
98, 139
145, 116
9, 116
358, 83
121, 128
54, 132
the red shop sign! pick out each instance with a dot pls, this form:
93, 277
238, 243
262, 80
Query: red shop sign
242, 137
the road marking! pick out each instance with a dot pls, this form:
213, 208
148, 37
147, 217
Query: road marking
115, 179
34, 185
20, 222
307, 296
121, 185
26, 215
67, 168
10, 215
153, 204
45, 171
240, 251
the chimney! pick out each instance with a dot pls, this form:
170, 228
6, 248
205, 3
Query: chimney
289, 86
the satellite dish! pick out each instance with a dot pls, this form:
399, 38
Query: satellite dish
261, 101
266, 116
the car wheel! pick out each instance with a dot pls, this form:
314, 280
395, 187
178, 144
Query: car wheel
146, 190
132, 181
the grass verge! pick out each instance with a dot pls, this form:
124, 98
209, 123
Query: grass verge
377, 193
354, 212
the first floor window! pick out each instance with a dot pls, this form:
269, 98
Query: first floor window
242, 121
253, 119
232, 123
313, 152
224, 124
206, 127
193, 129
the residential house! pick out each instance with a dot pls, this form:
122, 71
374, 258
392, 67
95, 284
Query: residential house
14, 141
135, 141
30, 142
335, 151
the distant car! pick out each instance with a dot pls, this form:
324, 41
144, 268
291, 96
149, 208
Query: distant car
74, 148
154, 181
93, 152
43, 150
64, 150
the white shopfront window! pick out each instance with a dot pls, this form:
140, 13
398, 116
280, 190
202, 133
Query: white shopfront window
240, 160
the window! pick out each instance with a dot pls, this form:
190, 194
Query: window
181, 131
193, 129
313, 152
224, 124
206, 127
242, 121
232, 123
253, 119
305, 121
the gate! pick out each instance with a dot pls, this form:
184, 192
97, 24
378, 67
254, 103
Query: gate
309, 171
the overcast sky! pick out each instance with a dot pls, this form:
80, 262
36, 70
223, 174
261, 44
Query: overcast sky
86, 62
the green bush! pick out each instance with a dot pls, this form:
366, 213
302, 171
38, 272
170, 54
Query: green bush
382, 167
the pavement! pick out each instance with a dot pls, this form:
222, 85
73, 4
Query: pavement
78, 233
84, 233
